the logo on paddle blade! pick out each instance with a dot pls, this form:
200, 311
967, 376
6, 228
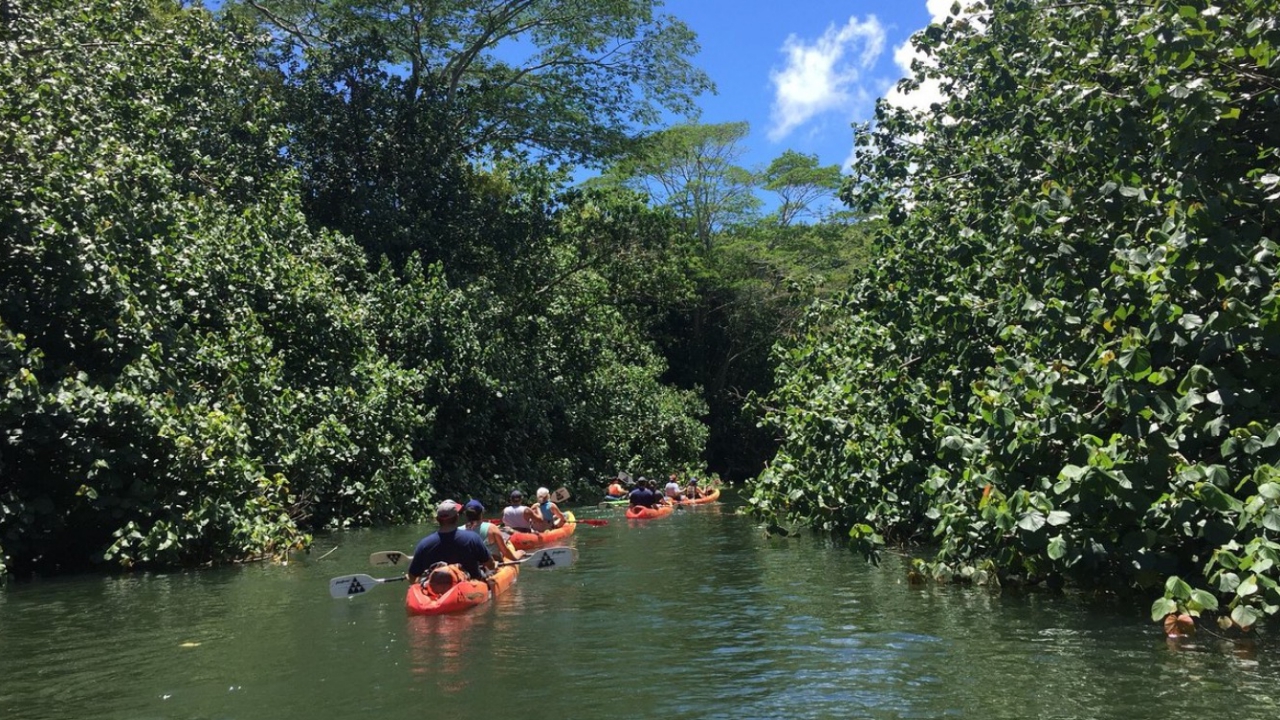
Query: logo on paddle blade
355, 588
394, 557
546, 561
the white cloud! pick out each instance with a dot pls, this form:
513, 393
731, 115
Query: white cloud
930, 91
938, 9
824, 75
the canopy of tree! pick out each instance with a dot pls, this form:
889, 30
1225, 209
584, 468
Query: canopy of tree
567, 78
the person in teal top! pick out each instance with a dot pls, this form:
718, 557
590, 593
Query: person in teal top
547, 515
493, 538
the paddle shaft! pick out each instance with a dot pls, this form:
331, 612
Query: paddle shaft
557, 555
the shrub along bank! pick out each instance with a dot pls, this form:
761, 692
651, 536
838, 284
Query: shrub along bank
1062, 364
191, 371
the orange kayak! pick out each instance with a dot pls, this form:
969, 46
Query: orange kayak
638, 512
710, 498
528, 540
462, 596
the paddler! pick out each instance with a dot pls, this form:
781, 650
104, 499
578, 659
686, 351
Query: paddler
546, 514
643, 495
450, 545
517, 516
692, 491
672, 490
615, 491
493, 538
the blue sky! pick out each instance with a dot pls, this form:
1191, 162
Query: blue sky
801, 72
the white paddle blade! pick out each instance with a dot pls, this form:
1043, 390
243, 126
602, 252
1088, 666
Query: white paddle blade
551, 558
389, 558
351, 585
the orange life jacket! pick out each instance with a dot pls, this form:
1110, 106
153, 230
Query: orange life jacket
444, 577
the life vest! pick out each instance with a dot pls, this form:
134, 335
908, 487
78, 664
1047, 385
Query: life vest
442, 578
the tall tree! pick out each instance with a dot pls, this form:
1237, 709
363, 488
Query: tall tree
566, 78
693, 170
799, 182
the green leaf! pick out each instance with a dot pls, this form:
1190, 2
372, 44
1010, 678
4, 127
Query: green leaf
1245, 616
1059, 517
1228, 582
1248, 587
1031, 521
1205, 600
1271, 520
1178, 588
1057, 548
1162, 607
1072, 472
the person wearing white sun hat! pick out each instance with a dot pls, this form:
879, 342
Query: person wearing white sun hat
546, 514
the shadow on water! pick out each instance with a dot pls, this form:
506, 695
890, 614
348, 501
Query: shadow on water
698, 615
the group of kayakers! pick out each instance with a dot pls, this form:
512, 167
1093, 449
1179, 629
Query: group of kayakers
474, 549
644, 494
479, 545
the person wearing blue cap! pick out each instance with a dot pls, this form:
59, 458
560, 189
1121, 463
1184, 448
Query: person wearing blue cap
693, 491
518, 517
450, 545
643, 495
497, 543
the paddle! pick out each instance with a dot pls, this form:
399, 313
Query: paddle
592, 523
562, 555
352, 585
548, 558
545, 559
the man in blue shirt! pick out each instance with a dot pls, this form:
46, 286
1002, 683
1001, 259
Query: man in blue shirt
451, 544
644, 495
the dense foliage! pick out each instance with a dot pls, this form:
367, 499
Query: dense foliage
1062, 364
747, 275
197, 366
544, 375
189, 373
568, 79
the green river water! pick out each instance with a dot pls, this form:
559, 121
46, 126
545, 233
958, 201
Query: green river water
697, 615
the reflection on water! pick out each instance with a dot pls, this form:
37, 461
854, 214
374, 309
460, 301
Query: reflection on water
439, 648
697, 615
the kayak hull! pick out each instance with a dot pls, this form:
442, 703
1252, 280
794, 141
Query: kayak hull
460, 597
528, 540
638, 512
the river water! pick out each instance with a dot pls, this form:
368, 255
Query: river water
697, 615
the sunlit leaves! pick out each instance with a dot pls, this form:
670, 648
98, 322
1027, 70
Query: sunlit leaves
1080, 252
